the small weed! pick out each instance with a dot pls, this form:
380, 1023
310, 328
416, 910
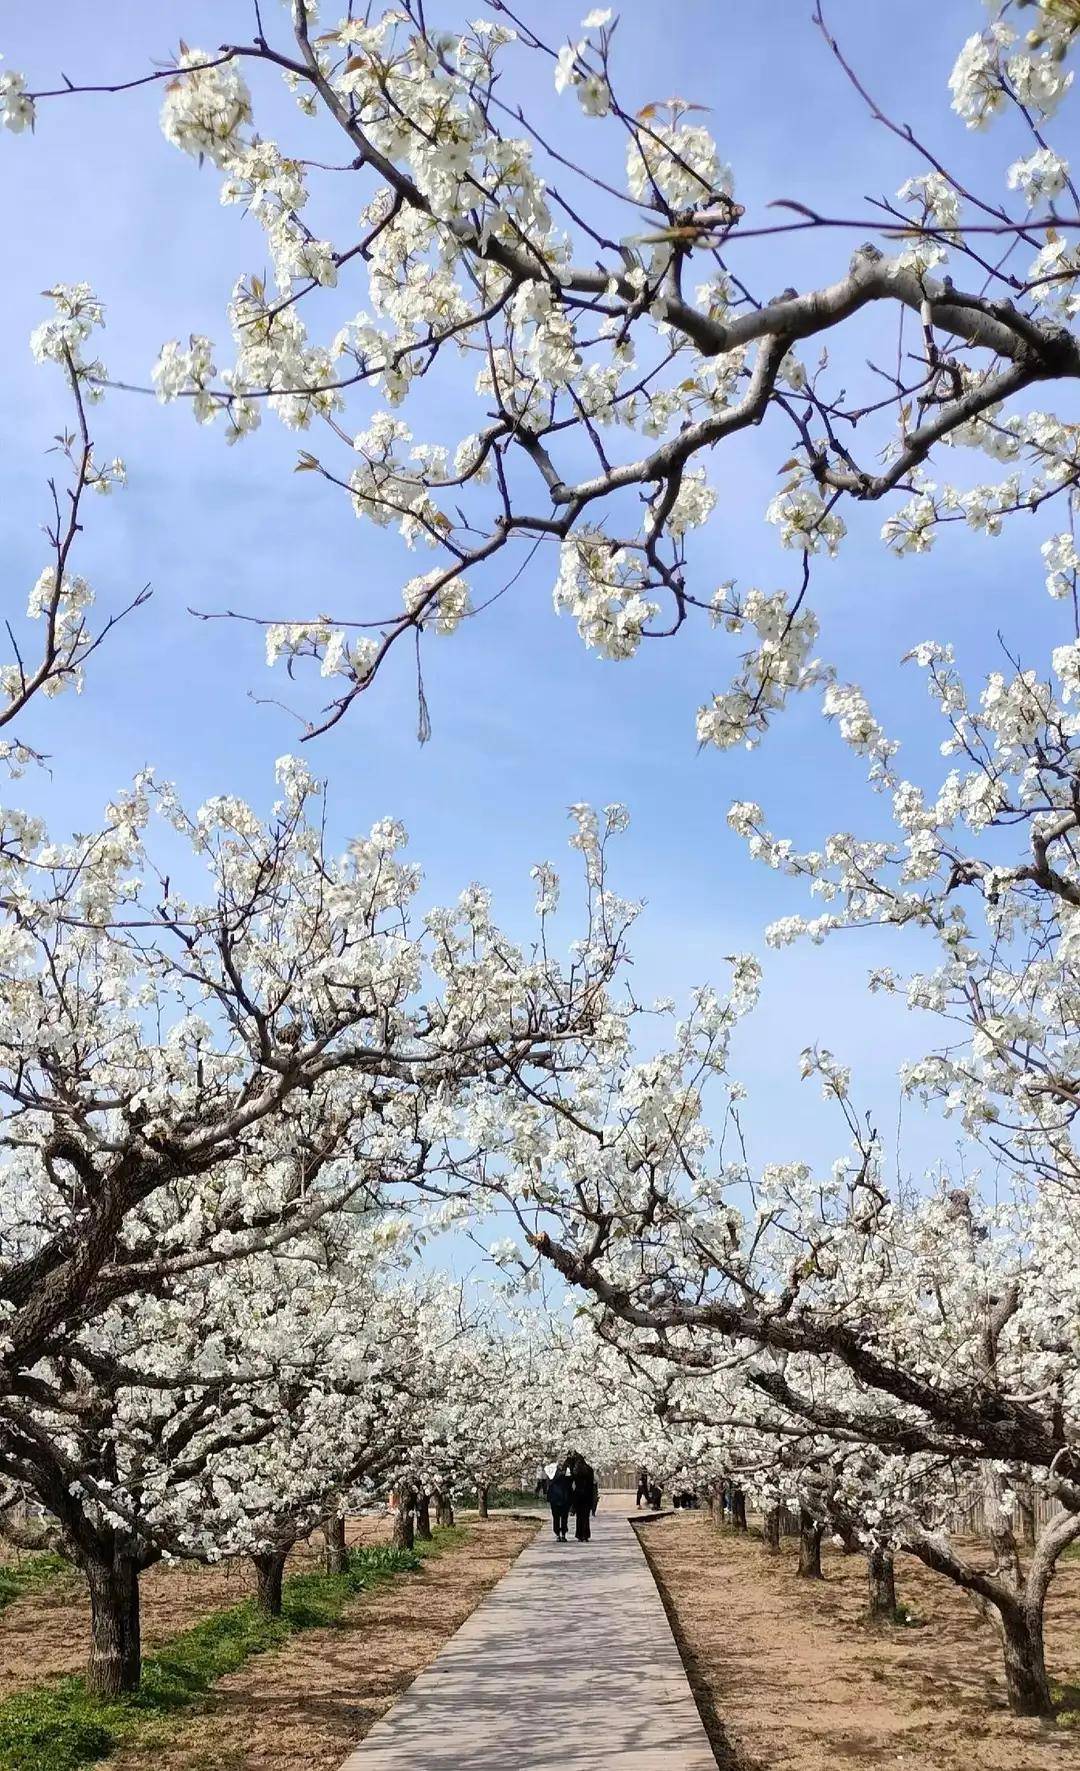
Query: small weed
1067, 1702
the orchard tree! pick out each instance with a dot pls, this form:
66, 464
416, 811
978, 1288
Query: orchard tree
604, 311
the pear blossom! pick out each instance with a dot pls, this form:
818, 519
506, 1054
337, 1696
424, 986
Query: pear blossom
16, 106
1041, 176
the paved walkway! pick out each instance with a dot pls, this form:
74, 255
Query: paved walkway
569, 1664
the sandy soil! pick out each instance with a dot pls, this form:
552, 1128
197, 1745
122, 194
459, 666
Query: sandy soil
305, 1706
789, 1678
45, 1634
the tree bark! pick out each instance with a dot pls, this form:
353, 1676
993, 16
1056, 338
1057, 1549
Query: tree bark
482, 1502
738, 1509
1025, 1659
810, 1531
881, 1585
770, 1529
1025, 1497
444, 1510
1014, 1606
115, 1662
335, 1555
423, 1518
269, 1574
404, 1535
1020, 1614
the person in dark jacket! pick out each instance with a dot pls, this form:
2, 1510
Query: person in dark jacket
642, 1487
586, 1495
559, 1496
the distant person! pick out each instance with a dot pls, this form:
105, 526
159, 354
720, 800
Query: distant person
642, 1487
559, 1495
586, 1495
655, 1496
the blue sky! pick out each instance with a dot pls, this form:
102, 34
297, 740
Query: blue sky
525, 721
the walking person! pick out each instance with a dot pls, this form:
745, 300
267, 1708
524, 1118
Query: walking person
586, 1495
642, 1487
559, 1497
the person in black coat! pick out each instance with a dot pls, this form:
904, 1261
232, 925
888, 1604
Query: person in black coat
586, 1494
559, 1496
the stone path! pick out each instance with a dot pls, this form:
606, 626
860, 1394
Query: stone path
569, 1664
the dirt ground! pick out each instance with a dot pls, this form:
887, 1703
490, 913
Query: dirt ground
305, 1706
789, 1678
45, 1634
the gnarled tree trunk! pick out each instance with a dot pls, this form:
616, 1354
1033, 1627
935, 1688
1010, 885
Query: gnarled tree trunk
115, 1662
770, 1529
269, 1574
404, 1535
1013, 1600
810, 1531
423, 1518
738, 1509
444, 1510
482, 1502
1019, 1612
1025, 1659
881, 1585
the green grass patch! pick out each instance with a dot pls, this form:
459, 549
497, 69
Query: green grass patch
61, 1726
510, 1499
29, 1576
